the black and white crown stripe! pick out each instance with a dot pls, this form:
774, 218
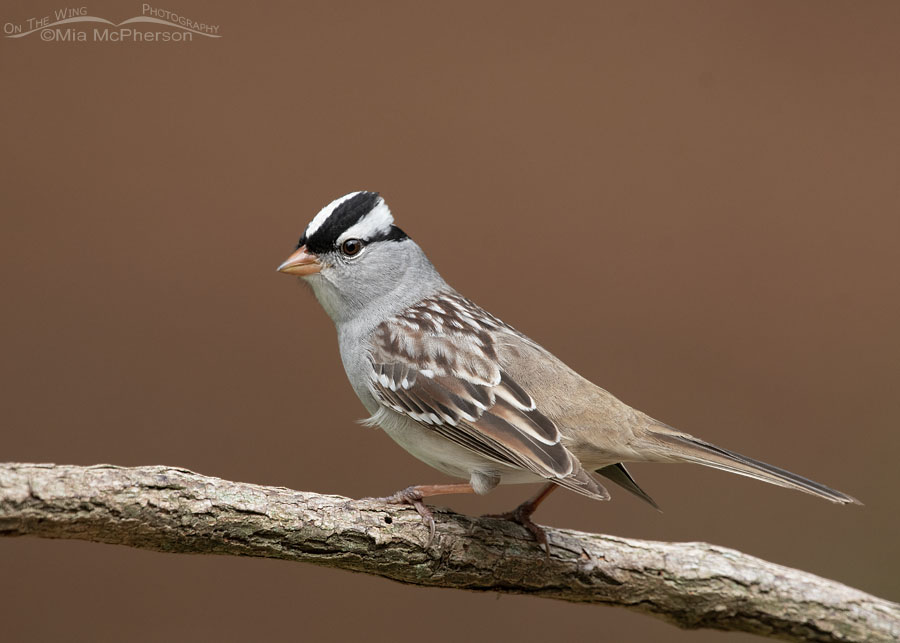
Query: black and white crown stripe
329, 209
358, 215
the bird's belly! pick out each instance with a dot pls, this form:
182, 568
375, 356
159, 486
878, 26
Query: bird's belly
444, 455
434, 450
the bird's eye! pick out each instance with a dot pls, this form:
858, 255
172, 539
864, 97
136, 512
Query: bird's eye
351, 247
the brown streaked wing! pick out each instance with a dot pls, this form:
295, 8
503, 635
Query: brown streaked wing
501, 431
436, 363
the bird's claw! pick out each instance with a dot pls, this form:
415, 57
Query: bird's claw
522, 515
413, 497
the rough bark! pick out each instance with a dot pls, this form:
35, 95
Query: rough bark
692, 585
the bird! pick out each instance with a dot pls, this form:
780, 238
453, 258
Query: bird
467, 393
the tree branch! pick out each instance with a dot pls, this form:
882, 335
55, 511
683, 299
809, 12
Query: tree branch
692, 585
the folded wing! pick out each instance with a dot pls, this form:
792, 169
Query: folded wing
445, 376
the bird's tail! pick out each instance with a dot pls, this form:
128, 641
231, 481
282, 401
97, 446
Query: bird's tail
675, 446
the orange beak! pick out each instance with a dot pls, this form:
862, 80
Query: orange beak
301, 263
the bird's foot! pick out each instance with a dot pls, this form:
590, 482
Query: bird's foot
522, 515
413, 496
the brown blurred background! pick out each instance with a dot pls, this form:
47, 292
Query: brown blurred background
694, 204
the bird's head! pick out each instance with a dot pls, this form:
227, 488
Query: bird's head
355, 258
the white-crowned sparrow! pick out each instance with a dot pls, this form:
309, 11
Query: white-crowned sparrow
467, 393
